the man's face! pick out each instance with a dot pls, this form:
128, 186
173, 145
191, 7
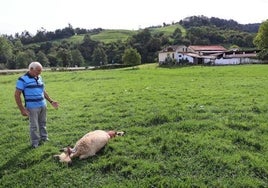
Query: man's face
36, 72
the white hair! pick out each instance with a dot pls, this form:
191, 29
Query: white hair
34, 65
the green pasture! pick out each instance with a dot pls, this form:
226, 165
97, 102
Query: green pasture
169, 30
114, 35
105, 36
185, 127
110, 35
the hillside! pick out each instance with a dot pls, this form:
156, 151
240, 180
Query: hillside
200, 21
81, 47
105, 36
114, 35
226, 28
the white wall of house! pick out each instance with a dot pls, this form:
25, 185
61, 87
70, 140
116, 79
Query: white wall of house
249, 60
207, 61
163, 55
182, 53
177, 56
222, 61
181, 56
231, 61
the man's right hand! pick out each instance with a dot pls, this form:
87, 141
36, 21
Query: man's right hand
24, 112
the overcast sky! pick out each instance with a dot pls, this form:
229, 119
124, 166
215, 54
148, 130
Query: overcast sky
31, 15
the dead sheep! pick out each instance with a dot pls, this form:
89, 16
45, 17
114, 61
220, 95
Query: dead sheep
87, 146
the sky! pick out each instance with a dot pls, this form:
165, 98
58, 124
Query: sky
17, 16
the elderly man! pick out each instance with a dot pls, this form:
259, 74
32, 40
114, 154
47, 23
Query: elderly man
32, 87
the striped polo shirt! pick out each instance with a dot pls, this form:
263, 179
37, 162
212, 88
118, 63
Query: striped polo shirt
33, 90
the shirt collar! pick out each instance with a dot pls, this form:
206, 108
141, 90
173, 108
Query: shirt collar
30, 76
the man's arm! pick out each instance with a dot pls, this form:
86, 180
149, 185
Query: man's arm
17, 96
47, 97
55, 104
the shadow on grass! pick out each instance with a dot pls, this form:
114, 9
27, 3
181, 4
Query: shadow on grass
15, 162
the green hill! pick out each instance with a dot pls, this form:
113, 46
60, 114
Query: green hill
105, 36
113, 35
168, 30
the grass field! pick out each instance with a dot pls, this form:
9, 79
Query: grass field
114, 35
185, 127
169, 30
106, 36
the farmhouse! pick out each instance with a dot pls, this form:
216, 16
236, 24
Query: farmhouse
237, 57
205, 54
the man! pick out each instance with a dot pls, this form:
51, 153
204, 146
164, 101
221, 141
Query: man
32, 87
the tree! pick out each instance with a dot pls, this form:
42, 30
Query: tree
40, 35
99, 56
53, 60
6, 50
140, 42
42, 58
177, 36
77, 58
153, 46
24, 58
26, 37
45, 47
115, 51
87, 47
18, 46
261, 40
131, 57
64, 56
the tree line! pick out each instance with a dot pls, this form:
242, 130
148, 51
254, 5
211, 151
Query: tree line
199, 21
18, 50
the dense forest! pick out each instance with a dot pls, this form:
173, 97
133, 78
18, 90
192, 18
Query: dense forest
54, 49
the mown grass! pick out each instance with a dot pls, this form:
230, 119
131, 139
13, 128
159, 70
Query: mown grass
114, 35
185, 127
169, 30
105, 36
111, 35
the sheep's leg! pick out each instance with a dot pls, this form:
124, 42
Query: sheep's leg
85, 156
73, 155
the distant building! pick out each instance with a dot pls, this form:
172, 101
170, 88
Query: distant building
206, 54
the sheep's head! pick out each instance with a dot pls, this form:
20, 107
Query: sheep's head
120, 133
64, 157
115, 133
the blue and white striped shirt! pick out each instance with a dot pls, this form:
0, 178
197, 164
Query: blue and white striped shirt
33, 90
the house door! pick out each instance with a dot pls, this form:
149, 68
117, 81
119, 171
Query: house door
200, 61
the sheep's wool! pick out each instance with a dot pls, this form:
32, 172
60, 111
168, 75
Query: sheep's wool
90, 144
87, 146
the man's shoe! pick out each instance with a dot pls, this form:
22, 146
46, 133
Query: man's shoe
34, 146
45, 140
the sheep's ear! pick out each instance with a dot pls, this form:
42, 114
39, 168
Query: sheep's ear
120, 133
69, 151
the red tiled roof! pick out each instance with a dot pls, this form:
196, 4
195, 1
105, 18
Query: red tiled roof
207, 48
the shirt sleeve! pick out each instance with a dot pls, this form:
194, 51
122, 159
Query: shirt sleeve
20, 84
